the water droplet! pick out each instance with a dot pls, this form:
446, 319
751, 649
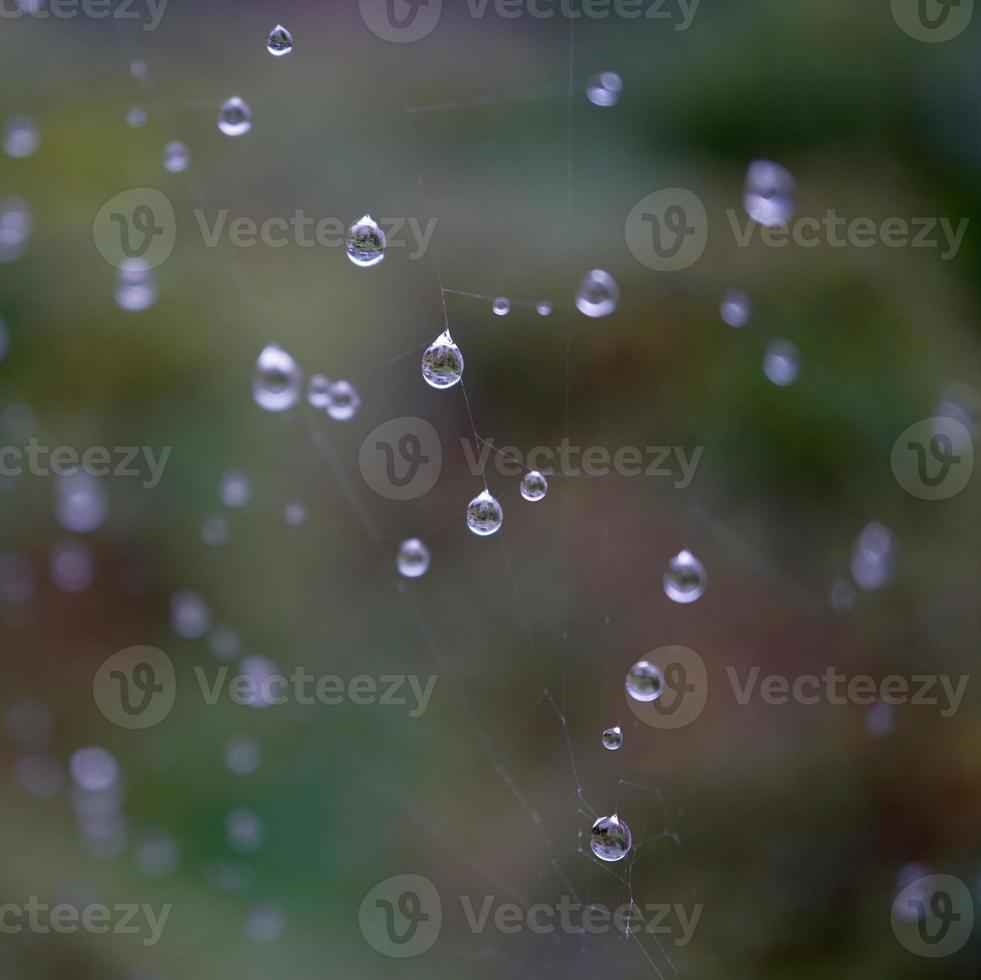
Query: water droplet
242, 755
279, 42
136, 286
236, 490
442, 364
224, 643
72, 566
598, 294
484, 515
157, 852
843, 596
190, 617
265, 923
244, 829
770, 194
318, 391
295, 514
214, 531
610, 839
344, 401
612, 738
81, 502
136, 117
736, 308
277, 380
94, 769
366, 242
645, 682
534, 486
16, 225
874, 558
235, 117
21, 137
137, 69
544, 308
413, 558
604, 89
501, 306
685, 578
781, 363
177, 157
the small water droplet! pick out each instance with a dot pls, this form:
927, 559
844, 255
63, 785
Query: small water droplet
781, 363
366, 242
736, 308
72, 566
94, 769
604, 89
874, 557
295, 514
279, 42
242, 755
501, 306
177, 157
244, 829
544, 307
685, 578
645, 682
235, 117
610, 839
136, 117
21, 137
214, 531
277, 380
534, 486
770, 194
81, 502
442, 364
236, 490
413, 558
318, 391
344, 401
484, 515
190, 617
598, 294
136, 286
612, 738
16, 225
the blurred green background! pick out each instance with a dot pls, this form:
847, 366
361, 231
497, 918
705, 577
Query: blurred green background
790, 825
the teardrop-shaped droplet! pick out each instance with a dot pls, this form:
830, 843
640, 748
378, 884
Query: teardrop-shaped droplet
318, 391
645, 682
235, 117
736, 308
598, 294
770, 195
21, 137
484, 515
343, 401
534, 486
685, 578
413, 558
366, 242
612, 738
279, 42
136, 286
277, 380
610, 839
604, 89
442, 364
781, 363
501, 306
177, 157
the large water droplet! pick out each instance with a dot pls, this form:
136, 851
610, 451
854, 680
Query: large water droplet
781, 363
610, 839
612, 738
484, 515
21, 137
235, 117
770, 194
598, 294
177, 157
501, 306
534, 486
413, 558
685, 578
442, 364
735, 308
279, 42
604, 89
645, 682
366, 242
136, 286
344, 401
277, 380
